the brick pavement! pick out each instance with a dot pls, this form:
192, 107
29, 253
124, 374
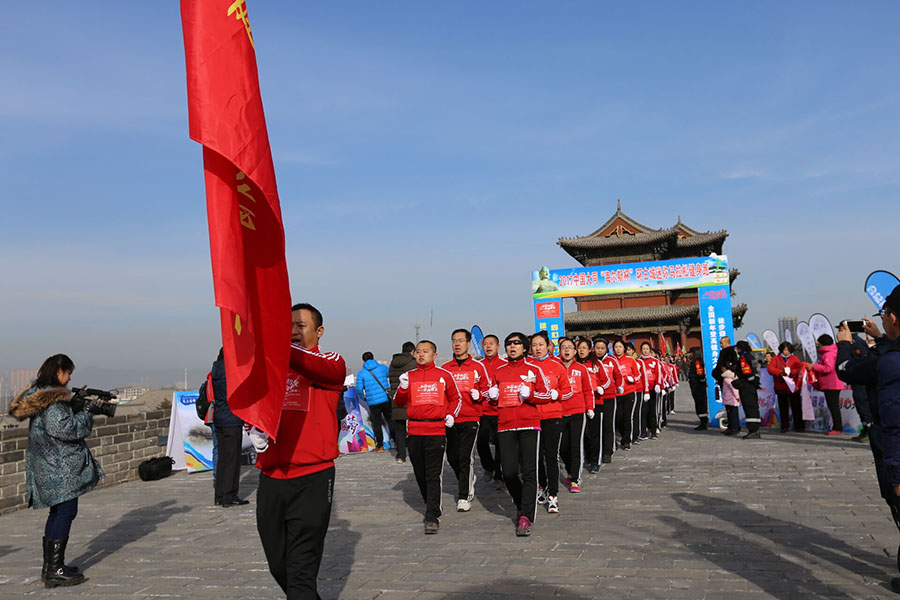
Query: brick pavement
689, 516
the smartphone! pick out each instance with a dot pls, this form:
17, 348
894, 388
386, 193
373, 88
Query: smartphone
855, 326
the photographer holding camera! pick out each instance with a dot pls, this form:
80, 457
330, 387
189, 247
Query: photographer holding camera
59, 466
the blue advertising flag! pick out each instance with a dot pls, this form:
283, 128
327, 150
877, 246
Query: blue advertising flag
716, 322
879, 285
477, 341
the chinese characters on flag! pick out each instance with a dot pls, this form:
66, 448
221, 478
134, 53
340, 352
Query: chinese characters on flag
246, 235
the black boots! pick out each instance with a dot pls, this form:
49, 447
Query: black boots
55, 572
704, 424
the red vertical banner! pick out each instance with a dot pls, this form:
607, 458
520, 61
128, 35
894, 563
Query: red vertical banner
246, 235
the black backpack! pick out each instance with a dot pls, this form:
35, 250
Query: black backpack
205, 399
155, 468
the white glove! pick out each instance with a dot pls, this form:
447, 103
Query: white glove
590, 414
554, 395
787, 371
621, 390
600, 389
404, 381
630, 379
259, 439
646, 396
493, 393
524, 392
475, 395
449, 421
657, 389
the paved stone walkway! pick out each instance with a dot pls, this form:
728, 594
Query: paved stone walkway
693, 515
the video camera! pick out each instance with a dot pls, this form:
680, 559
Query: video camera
98, 402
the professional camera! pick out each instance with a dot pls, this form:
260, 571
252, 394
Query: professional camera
98, 402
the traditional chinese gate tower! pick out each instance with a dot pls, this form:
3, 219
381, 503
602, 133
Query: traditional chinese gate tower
643, 316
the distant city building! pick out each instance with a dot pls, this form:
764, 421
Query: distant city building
20, 379
788, 324
130, 394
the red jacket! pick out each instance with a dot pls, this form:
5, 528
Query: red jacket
491, 364
514, 413
306, 441
558, 377
629, 367
432, 395
613, 377
596, 371
776, 369
470, 374
582, 384
653, 373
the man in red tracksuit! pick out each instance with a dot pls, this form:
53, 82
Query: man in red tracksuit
433, 403
473, 382
487, 430
296, 483
519, 387
611, 384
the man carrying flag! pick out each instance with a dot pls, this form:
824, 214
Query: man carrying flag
251, 287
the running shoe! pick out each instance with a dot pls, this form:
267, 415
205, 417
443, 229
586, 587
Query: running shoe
575, 487
463, 505
523, 529
594, 469
654, 436
431, 527
553, 505
542, 496
835, 432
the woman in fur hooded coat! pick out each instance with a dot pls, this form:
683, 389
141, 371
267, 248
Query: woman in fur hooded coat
59, 466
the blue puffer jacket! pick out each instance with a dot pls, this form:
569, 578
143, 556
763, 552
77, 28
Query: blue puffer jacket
58, 464
889, 408
372, 383
222, 415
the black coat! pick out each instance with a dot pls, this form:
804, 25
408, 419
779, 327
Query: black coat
400, 364
222, 415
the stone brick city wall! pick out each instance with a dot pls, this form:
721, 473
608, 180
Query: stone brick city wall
119, 444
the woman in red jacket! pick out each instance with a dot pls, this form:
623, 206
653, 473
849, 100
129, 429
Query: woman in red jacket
787, 365
519, 387
625, 401
551, 417
653, 391
610, 381
577, 410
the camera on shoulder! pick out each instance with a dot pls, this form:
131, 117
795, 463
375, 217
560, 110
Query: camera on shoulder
97, 402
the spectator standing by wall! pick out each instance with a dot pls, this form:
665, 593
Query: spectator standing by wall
401, 362
372, 385
228, 431
828, 382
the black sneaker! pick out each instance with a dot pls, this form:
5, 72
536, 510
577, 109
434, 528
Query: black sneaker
752, 436
431, 527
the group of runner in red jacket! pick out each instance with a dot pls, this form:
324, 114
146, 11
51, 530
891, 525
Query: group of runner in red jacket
537, 408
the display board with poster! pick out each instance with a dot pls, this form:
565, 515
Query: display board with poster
190, 441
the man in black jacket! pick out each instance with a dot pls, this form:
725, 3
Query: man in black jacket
400, 364
229, 437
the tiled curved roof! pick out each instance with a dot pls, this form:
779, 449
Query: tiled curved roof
702, 238
614, 316
626, 240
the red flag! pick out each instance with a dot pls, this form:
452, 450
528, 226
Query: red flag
246, 235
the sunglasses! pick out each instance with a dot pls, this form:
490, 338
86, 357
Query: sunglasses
515, 343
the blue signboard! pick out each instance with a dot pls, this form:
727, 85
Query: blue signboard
708, 274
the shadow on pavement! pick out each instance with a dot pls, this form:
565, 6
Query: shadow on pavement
4, 550
130, 527
505, 589
787, 534
338, 558
773, 573
410, 491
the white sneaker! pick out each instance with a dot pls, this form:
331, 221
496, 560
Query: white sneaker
542, 496
553, 505
463, 506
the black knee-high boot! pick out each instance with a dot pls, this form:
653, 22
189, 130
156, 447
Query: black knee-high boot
57, 574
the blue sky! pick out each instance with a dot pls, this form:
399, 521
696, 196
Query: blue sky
428, 157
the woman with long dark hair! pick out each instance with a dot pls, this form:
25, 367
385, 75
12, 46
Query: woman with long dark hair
58, 465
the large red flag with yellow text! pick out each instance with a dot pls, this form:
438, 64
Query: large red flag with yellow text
246, 235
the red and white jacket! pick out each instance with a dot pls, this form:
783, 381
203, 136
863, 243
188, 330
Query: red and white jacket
469, 375
432, 395
630, 369
513, 413
558, 377
491, 364
582, 384
653, 372
614, 380
306, 441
